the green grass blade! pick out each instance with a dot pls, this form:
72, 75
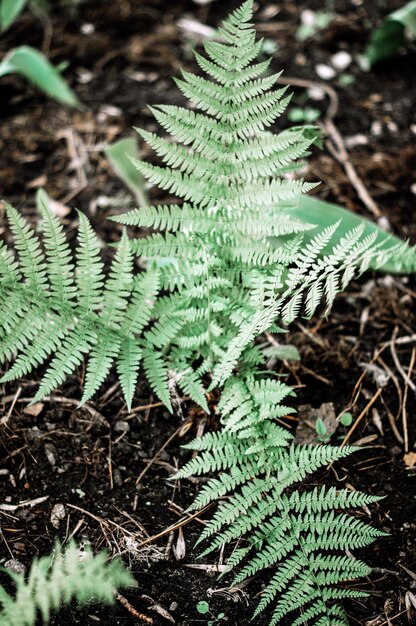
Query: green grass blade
10, 11
323, 214
120, 155
34, 66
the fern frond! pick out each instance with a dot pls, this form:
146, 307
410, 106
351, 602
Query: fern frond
56, 580
128, 362
60, 267
60, 307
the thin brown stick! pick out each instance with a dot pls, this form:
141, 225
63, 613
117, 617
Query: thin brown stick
146, 407
6, 418
72, 402
336, 145
339, 151
144, 618
181, 523
180, 510
404, 410
100, 520
360, 417
158, 453
397, 363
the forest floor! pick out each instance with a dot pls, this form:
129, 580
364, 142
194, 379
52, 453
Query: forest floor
109, 467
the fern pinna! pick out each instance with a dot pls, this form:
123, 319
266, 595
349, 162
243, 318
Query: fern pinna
54, 305
226, 283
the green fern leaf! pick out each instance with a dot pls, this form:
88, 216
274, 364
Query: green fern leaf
57, 580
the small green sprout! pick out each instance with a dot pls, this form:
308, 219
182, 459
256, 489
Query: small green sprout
346, 419
203, 609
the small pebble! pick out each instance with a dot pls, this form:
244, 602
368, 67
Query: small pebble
57, 515
325, 72
308, 17
392, 127
117, 479
376, 128
341, 60
121, 427
87, 29
84, 76
108, 110
316, 93
51, 453
384, 224
356, 140
413, 188
15, 566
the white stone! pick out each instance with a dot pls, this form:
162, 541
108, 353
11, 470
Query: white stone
384, 224
376, 128
316, 93
87, 29
341, 60
356, 140
15, 566
325, 72
392, 126
308, 17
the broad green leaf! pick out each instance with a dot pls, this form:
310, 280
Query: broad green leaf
397, 29
120, 154
10, 11
323, 214
34, 66
320, 427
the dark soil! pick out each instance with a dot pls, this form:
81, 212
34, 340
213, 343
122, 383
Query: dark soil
121, 57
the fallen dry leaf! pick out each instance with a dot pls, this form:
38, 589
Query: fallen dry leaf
33, 409
59, 209
410, 459
308, 417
